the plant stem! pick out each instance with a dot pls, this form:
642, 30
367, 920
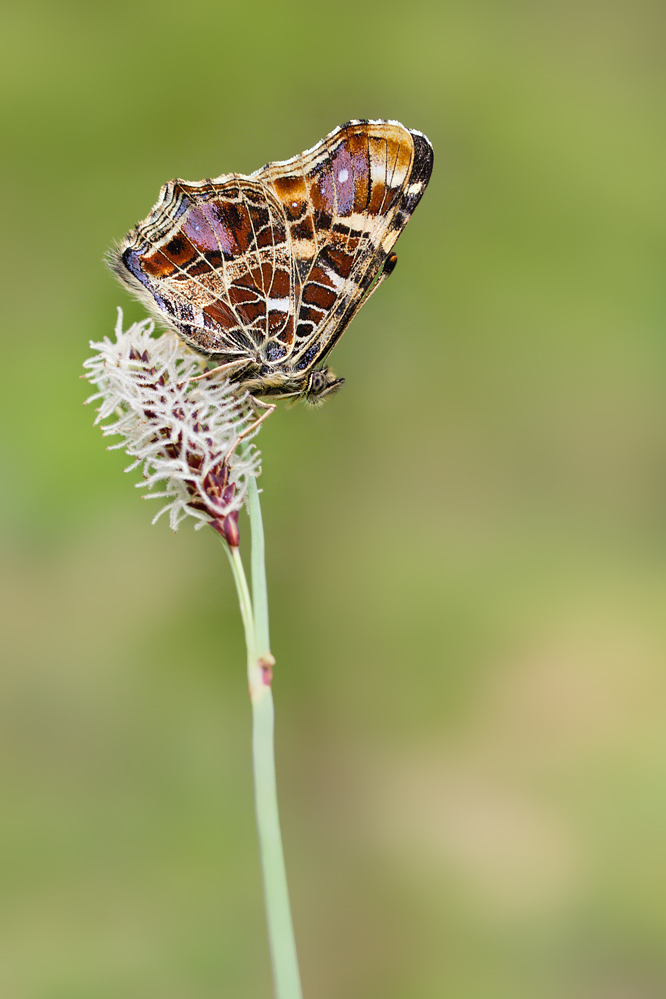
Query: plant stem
258, 562
281, 940
286, 978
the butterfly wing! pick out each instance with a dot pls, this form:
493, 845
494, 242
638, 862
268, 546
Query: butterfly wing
213, 260
268, 270
346, 201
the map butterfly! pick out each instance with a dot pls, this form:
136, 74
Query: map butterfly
263, 273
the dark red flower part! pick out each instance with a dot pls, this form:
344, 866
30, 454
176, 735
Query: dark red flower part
231, 531
227, 527
218, 491
229, 493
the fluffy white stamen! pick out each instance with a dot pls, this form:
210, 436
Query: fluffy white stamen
178, 431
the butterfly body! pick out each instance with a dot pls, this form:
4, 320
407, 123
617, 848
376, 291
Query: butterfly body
263, 273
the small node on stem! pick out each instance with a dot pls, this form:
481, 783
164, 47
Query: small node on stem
266, 663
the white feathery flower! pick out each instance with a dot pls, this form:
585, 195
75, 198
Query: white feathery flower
185, 435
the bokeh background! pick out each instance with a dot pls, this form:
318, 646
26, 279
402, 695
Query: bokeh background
466, 547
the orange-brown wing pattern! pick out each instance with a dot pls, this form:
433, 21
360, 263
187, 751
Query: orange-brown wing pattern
213, 257
268, 270
346, 202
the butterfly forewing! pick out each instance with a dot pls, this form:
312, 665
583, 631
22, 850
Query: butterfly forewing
268, 270
343, 201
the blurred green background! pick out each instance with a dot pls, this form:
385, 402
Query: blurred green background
466, 547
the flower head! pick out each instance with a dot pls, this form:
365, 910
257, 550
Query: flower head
185, 434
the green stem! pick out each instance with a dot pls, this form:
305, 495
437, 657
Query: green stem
281, 939
258, 562
245, 605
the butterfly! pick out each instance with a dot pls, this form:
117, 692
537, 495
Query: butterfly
263, 273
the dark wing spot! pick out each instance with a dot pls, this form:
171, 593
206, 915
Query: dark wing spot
307, 358
274, 351
389, 264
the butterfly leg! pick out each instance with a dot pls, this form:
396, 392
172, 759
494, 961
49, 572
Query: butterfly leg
270, 407
221, 368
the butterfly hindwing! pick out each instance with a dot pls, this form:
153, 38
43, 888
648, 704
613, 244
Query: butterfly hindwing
214, 257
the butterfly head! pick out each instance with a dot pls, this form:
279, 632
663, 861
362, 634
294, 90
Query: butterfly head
321, 383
